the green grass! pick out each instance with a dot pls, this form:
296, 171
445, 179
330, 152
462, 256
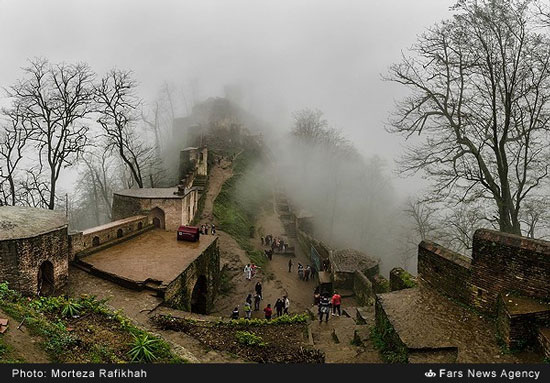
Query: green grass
240, 201
50, 317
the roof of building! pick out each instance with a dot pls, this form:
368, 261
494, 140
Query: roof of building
150, 193
25, 222
350, 260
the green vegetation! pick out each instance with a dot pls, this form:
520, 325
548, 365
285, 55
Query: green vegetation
284, 319
240, 200
249, 339
390, 352
143, 349
81, 330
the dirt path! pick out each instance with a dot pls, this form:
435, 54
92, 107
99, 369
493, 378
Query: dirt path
26, 347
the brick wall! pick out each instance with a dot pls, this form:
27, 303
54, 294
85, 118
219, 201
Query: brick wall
505, 262
96, 236
179, 292
446, 271
21, 260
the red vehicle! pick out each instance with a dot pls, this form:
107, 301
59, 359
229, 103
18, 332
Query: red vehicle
188, 233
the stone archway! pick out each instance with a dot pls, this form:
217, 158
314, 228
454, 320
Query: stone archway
46, 283
157, 217
95, 241
199, 296
119, 233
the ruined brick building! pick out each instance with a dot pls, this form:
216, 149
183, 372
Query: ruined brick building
34, 249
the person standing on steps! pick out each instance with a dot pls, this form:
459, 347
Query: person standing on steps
248, 272
268, 311
213, 229
286, 303
258, 289
279, 307
290, 265
336, 302
235, 313
257, 299
324, 308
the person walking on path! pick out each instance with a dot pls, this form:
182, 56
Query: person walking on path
257, 299
258, 289
286, 303
290, 265
248, 272
300, 271
306, 273
268, 311
213, 229
279, 307
324, 308
248, 309
336, 302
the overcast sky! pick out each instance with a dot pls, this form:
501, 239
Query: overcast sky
289, 54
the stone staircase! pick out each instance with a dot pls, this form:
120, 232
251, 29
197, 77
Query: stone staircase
343, 340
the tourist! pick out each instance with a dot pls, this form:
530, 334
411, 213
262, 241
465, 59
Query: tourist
252, 270
313, 271
336, 302
257, 299
300, 271
206, 229
258, 289
248, 272
213, 229
324, 308
290, 265
306, 273
281, 245
249, 299
316, 296
270, 254
268, 311
286, 303
235, 313
248, 308
279, 305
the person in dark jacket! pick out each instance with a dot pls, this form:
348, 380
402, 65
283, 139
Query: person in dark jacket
279, 305
324, 308
257, 299
258, 289
235, 313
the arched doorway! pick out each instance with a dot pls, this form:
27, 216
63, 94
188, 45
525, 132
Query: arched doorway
119, 233
46, 285
198, 298
95, 241
140, 225
157, 217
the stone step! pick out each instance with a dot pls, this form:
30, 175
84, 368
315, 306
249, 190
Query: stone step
364, 315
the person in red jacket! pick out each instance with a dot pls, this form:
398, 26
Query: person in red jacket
268, 312
336, 302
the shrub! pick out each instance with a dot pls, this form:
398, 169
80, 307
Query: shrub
249, 339
71, 308
143, 348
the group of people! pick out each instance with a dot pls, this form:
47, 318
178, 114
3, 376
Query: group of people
304, 273
326, 303
281, 305
205, 228
250, 271
275, 243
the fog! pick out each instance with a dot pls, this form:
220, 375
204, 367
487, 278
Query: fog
281, 57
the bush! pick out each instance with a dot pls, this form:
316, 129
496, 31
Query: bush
143, 348
249, 339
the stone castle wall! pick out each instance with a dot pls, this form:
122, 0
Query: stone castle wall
445, 270
508, 263
22, 258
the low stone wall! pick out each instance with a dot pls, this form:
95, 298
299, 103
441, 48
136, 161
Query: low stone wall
100, 235
505, 262
178, 294
362, 287
446, 271
401, 279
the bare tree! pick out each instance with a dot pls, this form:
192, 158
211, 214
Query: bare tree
51, 102
13, 141
480, 88
118, 104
